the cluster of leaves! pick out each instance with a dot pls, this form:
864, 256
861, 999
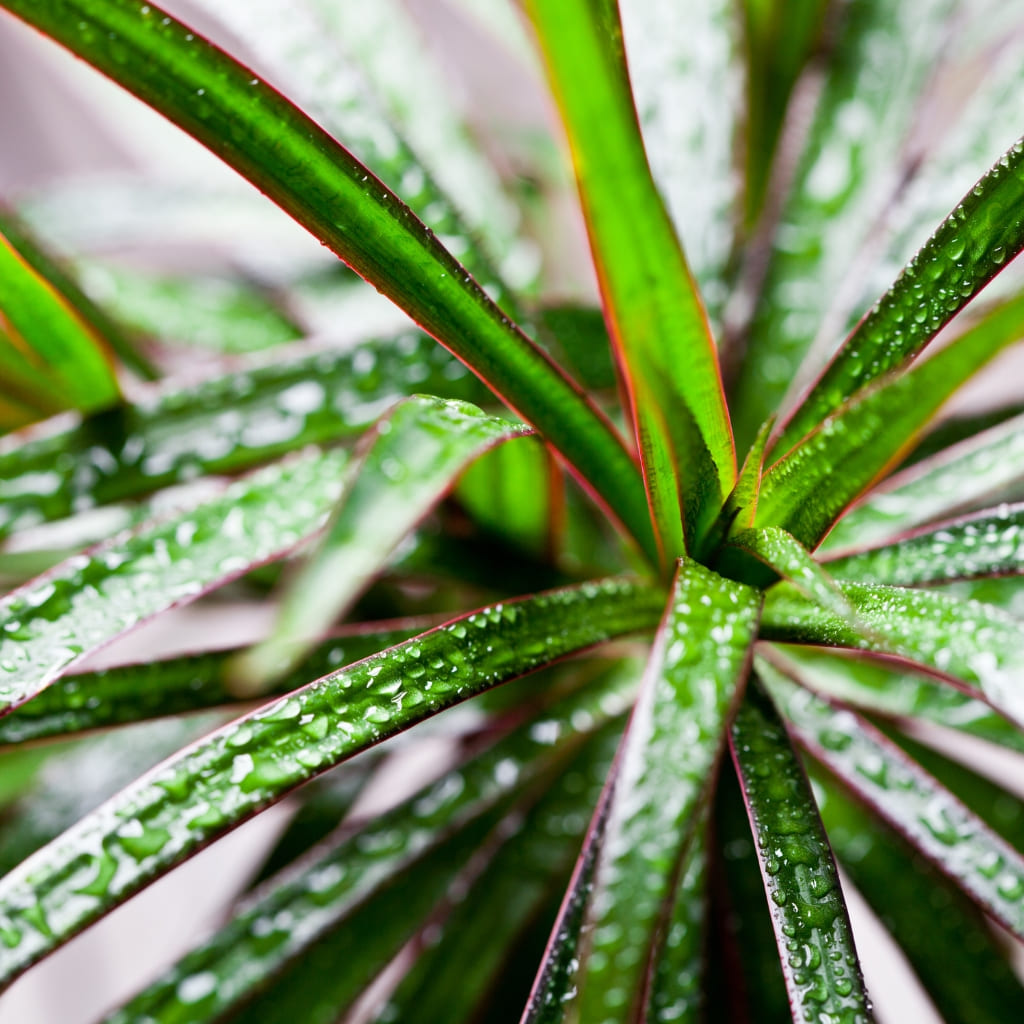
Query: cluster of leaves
590, 852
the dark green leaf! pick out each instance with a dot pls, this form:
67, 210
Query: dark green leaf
812, 929
238, 770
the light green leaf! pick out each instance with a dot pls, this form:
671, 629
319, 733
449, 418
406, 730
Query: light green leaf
411, 459
812, 929
239, 769
221, 425
657, 319
55, 620
976, 643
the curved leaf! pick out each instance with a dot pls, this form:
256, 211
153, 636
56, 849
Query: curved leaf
950, 835
413, 457
968, 249
807, 490
667, 764
654, 310
217, 426
984, 468
238, 770
55, 620
907, 894
352, 869
812, 929
264, 137
988, 544
976, 643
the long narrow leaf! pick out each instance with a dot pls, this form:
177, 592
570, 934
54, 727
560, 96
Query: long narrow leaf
985, 468
327, 892
989, 544
668, 759
52, 622
807, 490
259, 133
904, 890
968, 249
415, 454
977, 644
812, 929
211, 787
949, 834
218, 426
652, 305
45, 339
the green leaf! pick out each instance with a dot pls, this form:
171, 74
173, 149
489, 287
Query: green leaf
238, 770
64, 282
413, 456
691, 64
156, 689
812, 929
968, 249
218, 426
806, 491
55, 620
331, 892
667, 764
657, 321
934, 924
783, 555
985, 468
952, 837
989, 544
46, 348
449, 981
886, 690
976, 643
259, 133
882, 56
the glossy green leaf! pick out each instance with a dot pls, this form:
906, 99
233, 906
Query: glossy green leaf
667, 762
989, 544
983, 469
969, 248
208, 789
934, 924
691, 64
260, 134
413, 456
327, 892
657, 320
812, 929
218, 426
951, 836
46, 348
450, 979
65, 282
781, 554
975, 643
881, 58
807, 490
156, 689
55, 620
896, 692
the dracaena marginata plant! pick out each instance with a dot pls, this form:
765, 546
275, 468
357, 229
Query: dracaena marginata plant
711, 604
